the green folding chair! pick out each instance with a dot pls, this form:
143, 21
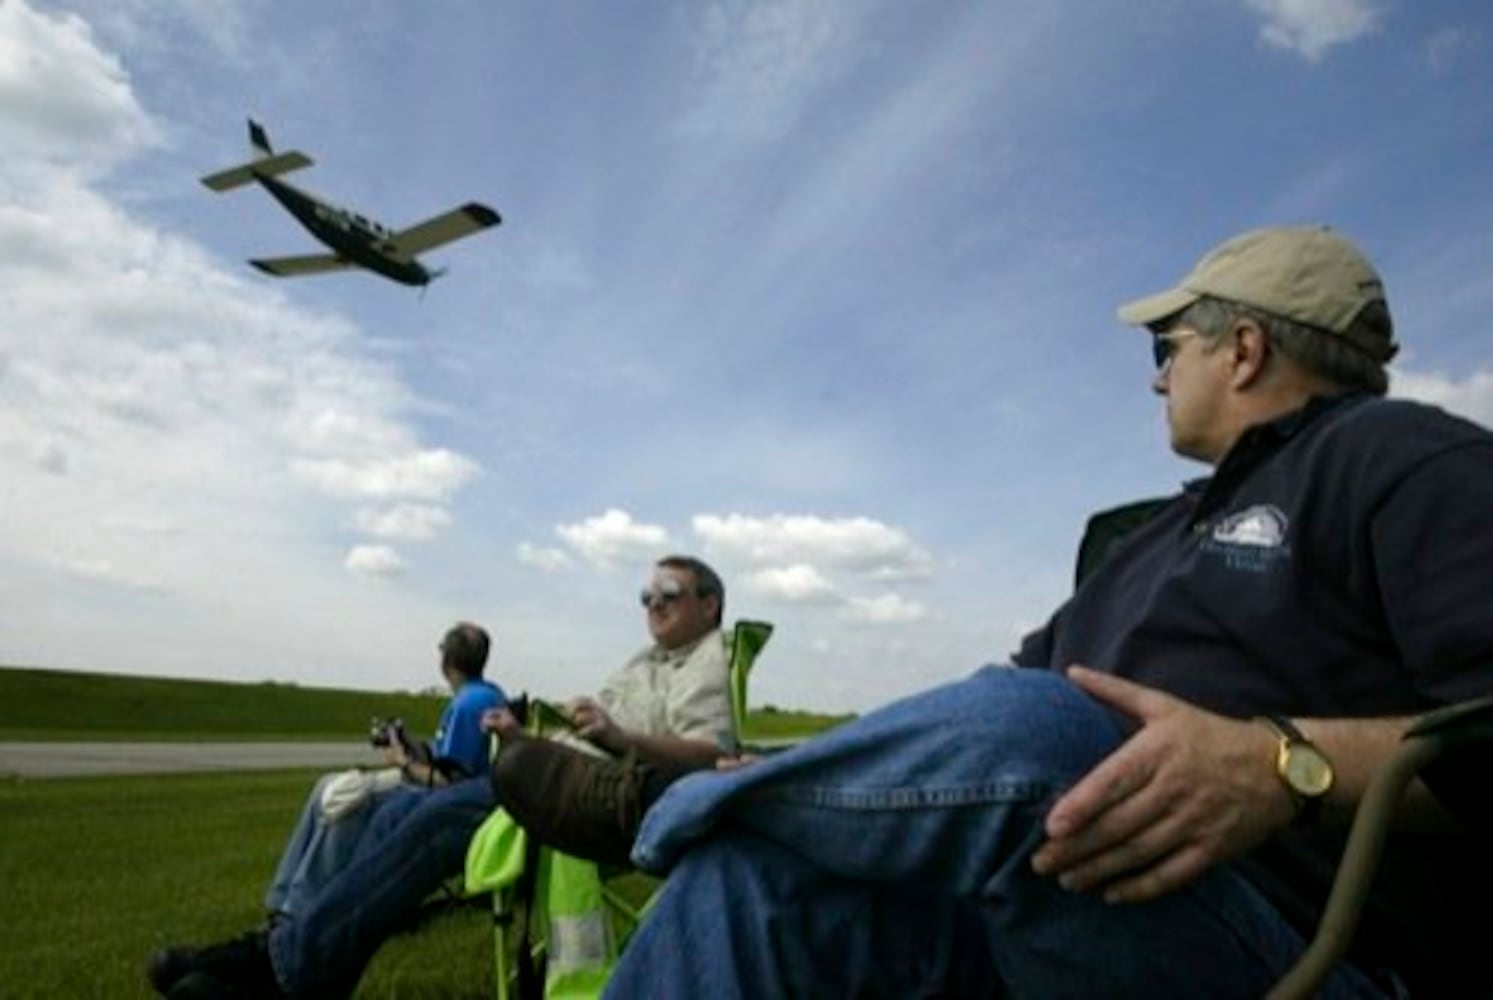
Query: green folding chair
619, 891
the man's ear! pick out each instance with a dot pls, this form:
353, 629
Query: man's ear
1250, 347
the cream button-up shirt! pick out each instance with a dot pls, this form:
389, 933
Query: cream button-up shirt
681, 692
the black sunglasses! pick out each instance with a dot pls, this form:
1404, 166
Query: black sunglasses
1164, 345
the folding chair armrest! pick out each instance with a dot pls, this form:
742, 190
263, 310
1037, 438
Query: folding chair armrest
1468, 725
1355, 874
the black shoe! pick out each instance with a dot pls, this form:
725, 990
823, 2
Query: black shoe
586, 806
242, 963
205, 986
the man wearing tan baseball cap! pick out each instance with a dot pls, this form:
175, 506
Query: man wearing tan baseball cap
1303, 314
1308, 275
1155, 804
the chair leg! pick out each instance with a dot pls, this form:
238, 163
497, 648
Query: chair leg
502, 921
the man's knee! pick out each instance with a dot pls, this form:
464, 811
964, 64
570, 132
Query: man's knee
513, 772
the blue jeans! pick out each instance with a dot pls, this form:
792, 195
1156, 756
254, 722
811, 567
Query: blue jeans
319, 847
322, 948
891, 857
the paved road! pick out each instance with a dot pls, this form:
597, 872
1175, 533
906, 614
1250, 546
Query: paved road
57, 760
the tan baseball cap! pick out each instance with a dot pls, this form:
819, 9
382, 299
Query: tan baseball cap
1308, 274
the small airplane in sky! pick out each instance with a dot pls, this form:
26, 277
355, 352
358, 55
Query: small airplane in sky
355, 240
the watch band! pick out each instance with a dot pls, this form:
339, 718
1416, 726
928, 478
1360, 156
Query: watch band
1284, 728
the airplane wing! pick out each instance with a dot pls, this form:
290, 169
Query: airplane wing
271, 165
290, 267
453, 225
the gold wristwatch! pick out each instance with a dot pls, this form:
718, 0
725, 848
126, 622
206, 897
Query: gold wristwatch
1302, 767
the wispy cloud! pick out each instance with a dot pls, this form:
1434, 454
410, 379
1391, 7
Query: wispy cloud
1449, 46
761, 64
885, 609
1311, 27
422, 474
106, 572
220, 26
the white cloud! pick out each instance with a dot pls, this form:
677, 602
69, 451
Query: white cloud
761, 63
796, 584
548, 559
1471, 397
404, 522
142, 383
50, 456
62, 98
613, 538
1311, 27
854, 544
136, 25
885, 609
374, 561
105, 572
424, 474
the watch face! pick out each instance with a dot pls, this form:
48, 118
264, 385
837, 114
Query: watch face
1307, 771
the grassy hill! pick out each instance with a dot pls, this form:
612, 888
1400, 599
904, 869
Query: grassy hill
65, 705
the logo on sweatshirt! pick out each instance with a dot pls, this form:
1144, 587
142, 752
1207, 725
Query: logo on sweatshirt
1252, 540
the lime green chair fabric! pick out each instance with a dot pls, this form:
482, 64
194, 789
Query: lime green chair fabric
571, 902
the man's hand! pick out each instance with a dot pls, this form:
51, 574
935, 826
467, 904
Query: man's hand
1189, 789
736, 762
593, 723
394, 755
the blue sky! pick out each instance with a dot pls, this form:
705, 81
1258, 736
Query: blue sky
821, 291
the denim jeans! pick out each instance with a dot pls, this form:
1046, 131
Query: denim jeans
891, 857
319, 847
322, 947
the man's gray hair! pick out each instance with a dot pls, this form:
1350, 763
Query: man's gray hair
1328, 356
707, 581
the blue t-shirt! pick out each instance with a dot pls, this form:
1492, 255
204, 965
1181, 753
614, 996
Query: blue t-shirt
459, 738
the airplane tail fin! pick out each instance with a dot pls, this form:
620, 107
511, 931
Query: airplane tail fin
267, 163
259, 139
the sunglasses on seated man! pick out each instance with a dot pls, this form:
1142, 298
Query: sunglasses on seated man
663, 593
1164, 345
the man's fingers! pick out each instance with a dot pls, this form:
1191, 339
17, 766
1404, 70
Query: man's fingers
1119, 776
736, 763
1135, 700
1134, 838
1167, 875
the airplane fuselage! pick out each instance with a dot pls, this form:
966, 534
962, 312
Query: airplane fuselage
358, 239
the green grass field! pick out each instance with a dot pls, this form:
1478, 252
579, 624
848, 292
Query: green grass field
99, 872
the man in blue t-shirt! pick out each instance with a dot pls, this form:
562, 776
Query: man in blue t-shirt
341, 807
